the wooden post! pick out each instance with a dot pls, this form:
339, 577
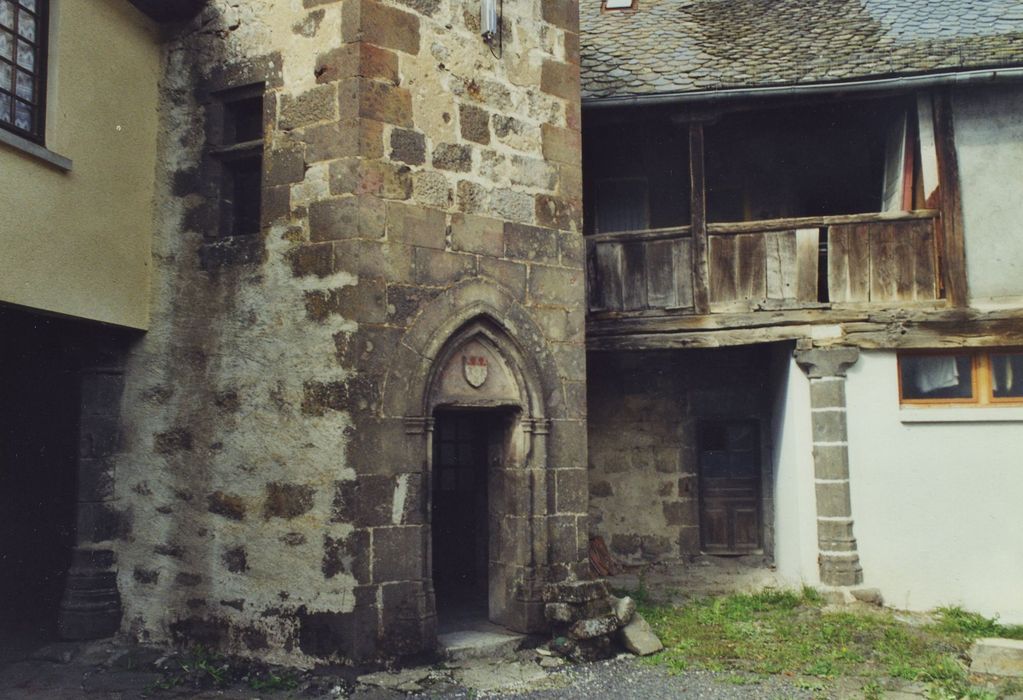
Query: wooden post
953, 250
698, 220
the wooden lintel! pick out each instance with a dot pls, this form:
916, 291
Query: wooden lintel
953, 248
698, 220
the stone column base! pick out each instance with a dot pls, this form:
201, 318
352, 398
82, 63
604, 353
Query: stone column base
841, 571
91, 606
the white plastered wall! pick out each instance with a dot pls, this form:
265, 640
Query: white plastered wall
795, 548
989, 140
938, 507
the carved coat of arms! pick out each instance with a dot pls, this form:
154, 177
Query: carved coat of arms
475, 369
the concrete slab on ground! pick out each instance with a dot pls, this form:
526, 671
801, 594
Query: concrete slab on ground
997, 657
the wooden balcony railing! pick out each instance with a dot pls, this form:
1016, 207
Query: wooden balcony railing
885, 259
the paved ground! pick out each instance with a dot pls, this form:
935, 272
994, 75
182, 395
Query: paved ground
88, 675
109, 670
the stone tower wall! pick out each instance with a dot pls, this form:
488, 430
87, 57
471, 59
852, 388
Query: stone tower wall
270, 481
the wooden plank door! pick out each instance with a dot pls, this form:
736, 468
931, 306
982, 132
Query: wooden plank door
459, 516
729, 463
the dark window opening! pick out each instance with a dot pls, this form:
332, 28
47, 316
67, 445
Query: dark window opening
241, 195
243, 120
23, 35
815, 160
239, 154
637, 176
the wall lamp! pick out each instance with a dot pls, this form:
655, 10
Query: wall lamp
490, 24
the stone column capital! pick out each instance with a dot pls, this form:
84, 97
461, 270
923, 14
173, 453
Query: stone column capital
418, 425
826, 362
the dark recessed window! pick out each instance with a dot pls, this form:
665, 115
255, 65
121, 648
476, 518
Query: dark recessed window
239, 152
23, 67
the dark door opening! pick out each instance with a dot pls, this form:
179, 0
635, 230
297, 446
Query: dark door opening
729, 459
39, 400
464, 444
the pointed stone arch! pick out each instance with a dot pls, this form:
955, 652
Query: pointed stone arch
534, 543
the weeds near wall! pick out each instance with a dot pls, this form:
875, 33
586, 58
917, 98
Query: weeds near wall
200, 668
793, 633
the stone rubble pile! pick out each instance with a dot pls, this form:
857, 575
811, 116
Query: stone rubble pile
590, 623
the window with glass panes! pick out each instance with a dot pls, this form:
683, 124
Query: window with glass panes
23, 66
980, 378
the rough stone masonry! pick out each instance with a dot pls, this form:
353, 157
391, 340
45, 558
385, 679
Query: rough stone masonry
418, 193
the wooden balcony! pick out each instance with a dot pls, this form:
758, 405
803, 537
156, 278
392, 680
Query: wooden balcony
805, 271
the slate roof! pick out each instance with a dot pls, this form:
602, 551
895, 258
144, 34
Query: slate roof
669, 46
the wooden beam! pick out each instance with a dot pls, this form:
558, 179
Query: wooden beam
698, 219
790, 224
953, 247
653, 234
703, 339
892, 329
740, 227
608, 325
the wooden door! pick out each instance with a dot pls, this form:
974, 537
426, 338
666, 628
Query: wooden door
459, 515
729, 462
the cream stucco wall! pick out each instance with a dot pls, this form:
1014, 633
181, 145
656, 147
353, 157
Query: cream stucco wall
989, 139
78, 243
936, 505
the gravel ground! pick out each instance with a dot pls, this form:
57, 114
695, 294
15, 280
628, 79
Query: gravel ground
627, 679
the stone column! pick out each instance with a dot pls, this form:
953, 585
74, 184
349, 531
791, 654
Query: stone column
91, 605
826, 368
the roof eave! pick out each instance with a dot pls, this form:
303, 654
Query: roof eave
169, 10
903, 82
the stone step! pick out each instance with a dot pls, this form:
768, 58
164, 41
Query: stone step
479, 643
998, 657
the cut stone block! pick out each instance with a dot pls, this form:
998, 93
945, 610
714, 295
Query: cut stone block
625, 608
997, 657
559, 612
639, 638
575, 591
594, 627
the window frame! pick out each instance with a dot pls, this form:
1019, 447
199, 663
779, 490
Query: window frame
226, 152
41, 46
981, 380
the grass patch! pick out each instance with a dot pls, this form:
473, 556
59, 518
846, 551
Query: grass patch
789, 632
